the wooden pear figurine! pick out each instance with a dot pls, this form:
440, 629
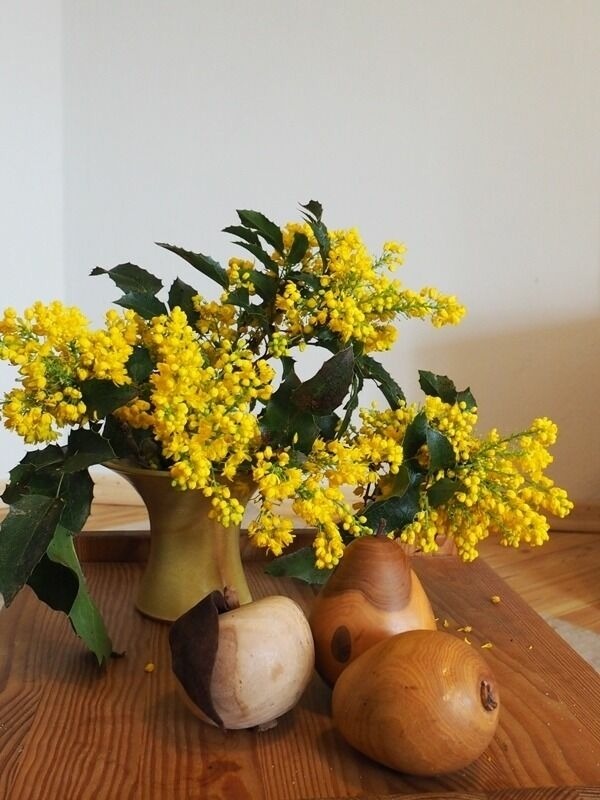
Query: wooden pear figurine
372, 595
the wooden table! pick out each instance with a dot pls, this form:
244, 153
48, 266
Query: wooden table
69, 731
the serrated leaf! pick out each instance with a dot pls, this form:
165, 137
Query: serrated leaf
182, 294
307, 279
465, 396
299, 564
269, 231
84, 616
136, 444
50, 457
85, 448
103, 397
243, 233
441, 452
139, 365
298, 249
281, 421
54, 584
375, 371
352, 403
415, 435
442, 491
328, 387
328, 426
146, 305
131, 278
265, 285
394, 513
204, 264
437, 386
239, 297
314, 208
25, 534
258, 252
77, 491
37, 473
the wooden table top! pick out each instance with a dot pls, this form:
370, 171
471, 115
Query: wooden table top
69, 731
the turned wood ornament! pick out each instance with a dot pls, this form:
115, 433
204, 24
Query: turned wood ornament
242, 666
422, 702
372, 595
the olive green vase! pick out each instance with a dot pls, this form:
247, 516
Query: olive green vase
191, 555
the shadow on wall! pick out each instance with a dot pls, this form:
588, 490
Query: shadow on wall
518, 375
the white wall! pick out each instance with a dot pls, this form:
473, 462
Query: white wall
469, 128
31, 166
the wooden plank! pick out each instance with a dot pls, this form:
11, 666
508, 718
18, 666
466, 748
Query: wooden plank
75, 732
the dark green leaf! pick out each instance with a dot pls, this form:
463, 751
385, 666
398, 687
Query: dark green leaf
324, 337
77, 491
239, 297
288, 370
83, 615
37, 473
437, 386
146, 305
49, 457
313, 217
258, 252
103, 397
243, 233
397, 511
301, 565
54, 584
204, 264
307, 279
139, 365
465, 396
182, 294
281, 421
19, 483
131, 278
328, 387
352, 404
265, 285
314, 208
298, 249
328, 426
136, 444
269, 231
442, 491
24, 537
415, 435
441, 452
85, 448
399, 482
375, 371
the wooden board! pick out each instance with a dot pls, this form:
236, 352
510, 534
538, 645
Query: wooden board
69, 731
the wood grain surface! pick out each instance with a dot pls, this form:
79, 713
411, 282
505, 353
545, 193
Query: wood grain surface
70, 732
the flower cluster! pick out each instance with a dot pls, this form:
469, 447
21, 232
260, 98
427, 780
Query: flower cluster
470, 487
55, 351
207, 389
352, 296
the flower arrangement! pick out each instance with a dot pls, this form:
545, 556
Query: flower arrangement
207, 389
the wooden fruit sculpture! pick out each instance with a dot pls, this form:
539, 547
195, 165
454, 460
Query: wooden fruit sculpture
422, 702
372, 595
242, 666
